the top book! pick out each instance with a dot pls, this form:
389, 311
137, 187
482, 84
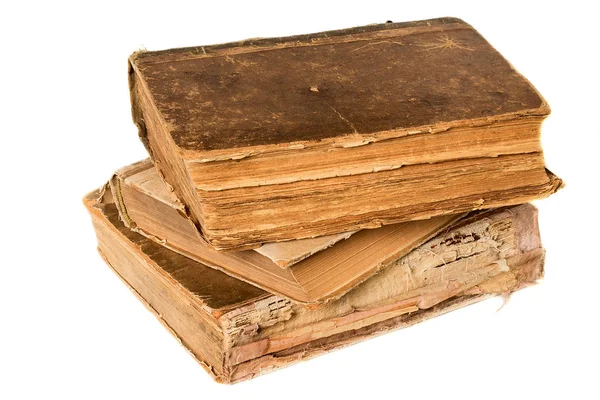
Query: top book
267, 140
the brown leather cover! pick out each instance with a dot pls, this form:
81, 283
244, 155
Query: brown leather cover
271, 140
325, 85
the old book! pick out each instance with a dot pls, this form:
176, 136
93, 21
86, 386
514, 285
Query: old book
268, 140
237, 331
133, 183
306, 272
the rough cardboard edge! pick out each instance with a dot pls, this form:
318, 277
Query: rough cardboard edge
271, 362
289, 262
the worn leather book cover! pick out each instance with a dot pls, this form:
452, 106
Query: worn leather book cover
268, 140
320, 271
237, 331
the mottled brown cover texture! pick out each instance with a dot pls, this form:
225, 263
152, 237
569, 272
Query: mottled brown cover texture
269, 140
364, 80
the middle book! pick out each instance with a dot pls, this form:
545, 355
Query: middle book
309, 271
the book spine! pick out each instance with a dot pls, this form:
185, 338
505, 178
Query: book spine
115, 187
136, 108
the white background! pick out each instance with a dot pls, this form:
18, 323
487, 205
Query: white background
70, 329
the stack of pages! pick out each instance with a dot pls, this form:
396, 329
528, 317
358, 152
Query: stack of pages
308, 192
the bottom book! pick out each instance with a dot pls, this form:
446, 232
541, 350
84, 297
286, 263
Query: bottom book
237, 331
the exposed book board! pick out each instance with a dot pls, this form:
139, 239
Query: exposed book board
269, 140
237, 331
146, 206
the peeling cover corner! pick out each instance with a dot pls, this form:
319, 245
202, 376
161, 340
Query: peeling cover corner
99, 195
136, 109
557, 182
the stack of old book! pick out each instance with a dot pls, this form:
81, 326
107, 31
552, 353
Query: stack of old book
308, 192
